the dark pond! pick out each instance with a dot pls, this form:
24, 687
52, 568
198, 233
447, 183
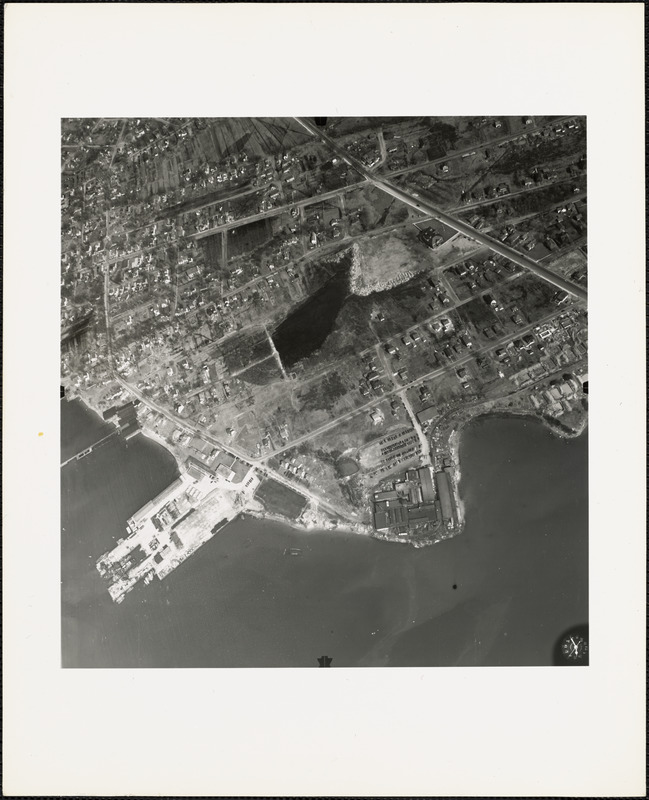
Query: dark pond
305, 329
346, 467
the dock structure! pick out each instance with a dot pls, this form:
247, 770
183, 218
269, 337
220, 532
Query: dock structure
165, 532
168, 529
445, 496
83, 453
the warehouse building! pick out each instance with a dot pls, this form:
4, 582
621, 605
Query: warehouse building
445, 496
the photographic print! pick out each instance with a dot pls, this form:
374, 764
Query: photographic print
324, 391
301, 456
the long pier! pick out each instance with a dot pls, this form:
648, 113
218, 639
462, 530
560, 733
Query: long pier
83, 453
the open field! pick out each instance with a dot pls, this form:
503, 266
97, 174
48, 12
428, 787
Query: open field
387, 260
279, 499
260, 374
570, 265
225, 137
243, 349
248, 237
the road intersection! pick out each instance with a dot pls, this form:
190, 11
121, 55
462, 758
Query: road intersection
426, 207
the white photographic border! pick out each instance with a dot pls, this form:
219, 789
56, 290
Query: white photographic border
398, 732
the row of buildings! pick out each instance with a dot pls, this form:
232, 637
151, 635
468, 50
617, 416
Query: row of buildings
423, 502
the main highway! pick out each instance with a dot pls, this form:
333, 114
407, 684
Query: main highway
459, 225
400, 390
200, 431
415, 202
235, 451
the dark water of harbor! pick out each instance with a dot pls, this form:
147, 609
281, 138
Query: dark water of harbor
80, 428
499, 594
305, 329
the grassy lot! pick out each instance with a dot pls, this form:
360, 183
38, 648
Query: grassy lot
568, 263
477, 313
245, 349
263, 373
279, 499
248, 237
534, 297
212, 250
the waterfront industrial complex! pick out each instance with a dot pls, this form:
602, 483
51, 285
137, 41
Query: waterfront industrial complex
307, 312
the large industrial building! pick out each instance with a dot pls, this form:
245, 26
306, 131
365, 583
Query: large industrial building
413, 504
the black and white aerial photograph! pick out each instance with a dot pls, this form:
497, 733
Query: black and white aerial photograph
324, 400
325, 391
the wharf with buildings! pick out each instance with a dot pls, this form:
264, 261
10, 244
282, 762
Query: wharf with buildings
171, 527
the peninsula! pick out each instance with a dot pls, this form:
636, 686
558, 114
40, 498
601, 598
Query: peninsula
307, 312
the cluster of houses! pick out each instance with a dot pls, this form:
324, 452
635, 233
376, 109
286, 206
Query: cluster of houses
558, 396
372, 383
296, 469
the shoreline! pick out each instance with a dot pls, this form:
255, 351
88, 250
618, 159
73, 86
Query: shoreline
455, 439
553, 426
84, 401
301, 527
453, 446
146, 432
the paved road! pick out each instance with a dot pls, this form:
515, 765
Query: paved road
444, 311
353, 186
460, 226
420, 205
503, 198
319, 198
426, 460
403, 395
474, 148
256, 463
436, 373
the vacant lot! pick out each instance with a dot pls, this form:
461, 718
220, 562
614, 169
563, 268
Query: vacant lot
248, 237
279, 499
256, 137
385, 261
323, 394
263, 373
478, 313
569, 264
212, 249
534, 297
245, 349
